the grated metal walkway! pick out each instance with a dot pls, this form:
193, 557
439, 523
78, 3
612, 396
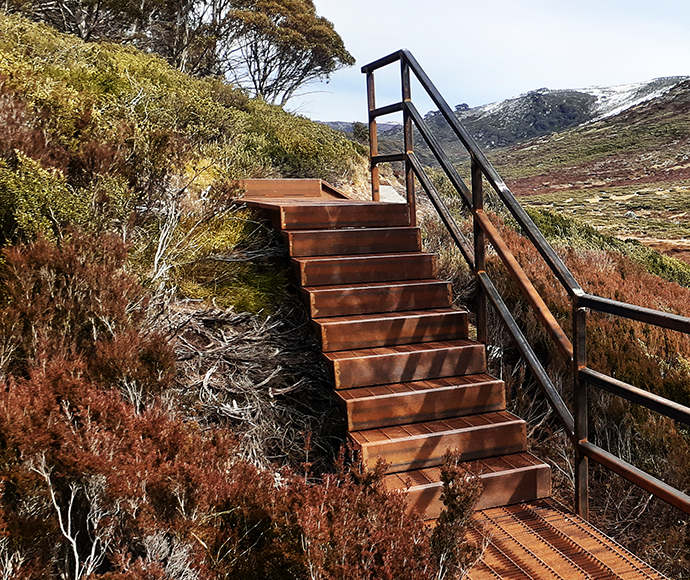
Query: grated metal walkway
541, 540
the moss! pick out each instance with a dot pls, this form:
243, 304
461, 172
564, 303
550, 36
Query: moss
246, 287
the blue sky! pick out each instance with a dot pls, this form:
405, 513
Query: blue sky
481, 51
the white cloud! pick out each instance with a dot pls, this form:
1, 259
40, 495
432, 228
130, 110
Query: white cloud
482, 52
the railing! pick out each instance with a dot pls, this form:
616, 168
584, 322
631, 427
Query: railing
575, 355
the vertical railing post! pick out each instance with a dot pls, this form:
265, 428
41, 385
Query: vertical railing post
479, 251
409, 141
373, 137
580, 404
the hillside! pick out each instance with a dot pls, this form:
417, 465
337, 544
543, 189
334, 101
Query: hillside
164, 409
627, 174
163, 405
533, 114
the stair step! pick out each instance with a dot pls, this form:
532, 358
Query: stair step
294, 216
390, 329
375, 297
419, 445
429, 400
507, 479
405, 363
321, 271
352, 241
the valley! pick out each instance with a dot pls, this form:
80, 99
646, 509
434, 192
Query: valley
627, 175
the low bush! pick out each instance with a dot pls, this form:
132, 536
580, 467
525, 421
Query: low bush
101, 114
103, 476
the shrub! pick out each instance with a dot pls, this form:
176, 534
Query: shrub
73, 301
102, 112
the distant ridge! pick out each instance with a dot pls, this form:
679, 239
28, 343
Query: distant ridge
545, 111
535, 113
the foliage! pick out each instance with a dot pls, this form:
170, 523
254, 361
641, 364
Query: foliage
35, 200
270, 48
126, 130
360, 133
89, 19
74, 302
449, 542
282, 45
97, 482
643, 355
561, 230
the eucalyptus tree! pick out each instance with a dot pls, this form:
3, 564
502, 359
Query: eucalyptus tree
270, 48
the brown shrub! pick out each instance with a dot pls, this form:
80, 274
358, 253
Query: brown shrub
74, 301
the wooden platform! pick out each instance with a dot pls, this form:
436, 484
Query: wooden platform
541, 540
286, 188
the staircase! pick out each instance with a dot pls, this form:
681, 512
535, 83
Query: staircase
411, 382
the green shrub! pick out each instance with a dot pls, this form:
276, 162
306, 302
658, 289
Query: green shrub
35, 200
562, 230
104, 114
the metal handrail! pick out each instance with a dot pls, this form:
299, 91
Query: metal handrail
575, 425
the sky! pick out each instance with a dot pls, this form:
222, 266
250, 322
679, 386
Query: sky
482, 51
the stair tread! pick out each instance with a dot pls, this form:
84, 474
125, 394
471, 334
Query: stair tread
361, 257
277, 202
352, 230
399, 349
373, 285
429, 313
371, 407
431, 476
355, 268
377, 297
435, 427
402, 389
320, 213
352, 240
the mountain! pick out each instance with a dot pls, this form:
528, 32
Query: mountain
626, 174
347, 126
642, 136
545, 111
527, 116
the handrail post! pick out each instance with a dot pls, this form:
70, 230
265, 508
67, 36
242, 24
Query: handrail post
479, 252
409, 142
580, 409
373, 137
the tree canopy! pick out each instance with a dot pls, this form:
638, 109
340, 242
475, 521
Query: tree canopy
280, 45
270, 48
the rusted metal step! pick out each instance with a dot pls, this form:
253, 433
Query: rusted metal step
321, 271
541, 539
419, 445
352, 241
390, 329
375, 297
428, 400
405, 363
507, 479
289, 214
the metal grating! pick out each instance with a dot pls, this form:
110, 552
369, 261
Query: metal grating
541, 540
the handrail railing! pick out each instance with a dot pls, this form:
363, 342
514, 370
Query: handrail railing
575, 425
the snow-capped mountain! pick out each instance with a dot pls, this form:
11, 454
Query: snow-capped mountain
544, 111
614, 100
